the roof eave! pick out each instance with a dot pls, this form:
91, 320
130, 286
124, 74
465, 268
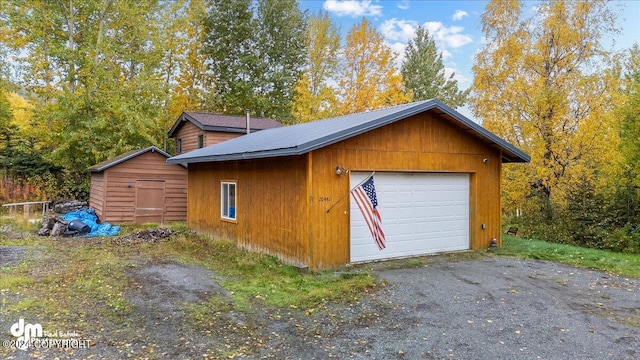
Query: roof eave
181, 119
516, 155
238, 156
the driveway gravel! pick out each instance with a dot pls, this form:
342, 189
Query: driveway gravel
501, 308
446, 308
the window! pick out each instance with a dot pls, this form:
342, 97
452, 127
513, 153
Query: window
228, 202
200, 141
179, 146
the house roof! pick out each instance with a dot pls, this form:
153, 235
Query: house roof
125, 157
303, 138
222, 123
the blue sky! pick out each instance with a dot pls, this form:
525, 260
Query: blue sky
454, 24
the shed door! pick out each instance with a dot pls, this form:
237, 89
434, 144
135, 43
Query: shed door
421, 213
149, 206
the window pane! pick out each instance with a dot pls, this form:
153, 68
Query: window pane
228, 200
232, 201
225, 200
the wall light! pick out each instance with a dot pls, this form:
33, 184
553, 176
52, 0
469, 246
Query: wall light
485, 160
340, 170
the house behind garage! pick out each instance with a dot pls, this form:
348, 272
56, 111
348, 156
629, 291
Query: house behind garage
139, 187
195, 130
437, 178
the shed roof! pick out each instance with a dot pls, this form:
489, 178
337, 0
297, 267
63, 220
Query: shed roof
303, 138
125, 157
223, 123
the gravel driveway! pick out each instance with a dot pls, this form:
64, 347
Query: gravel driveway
491, 308
486, 308
501, 308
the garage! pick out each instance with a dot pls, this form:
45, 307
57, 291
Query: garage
437, 179
422, 213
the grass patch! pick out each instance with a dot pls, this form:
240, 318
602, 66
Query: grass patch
616, 263
253, 277
66, 281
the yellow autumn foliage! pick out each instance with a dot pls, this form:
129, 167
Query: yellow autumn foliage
368, 79
544, 84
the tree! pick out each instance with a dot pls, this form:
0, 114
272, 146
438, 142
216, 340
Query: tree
627, 197
544, 84
315, 98
367, 77
189, 77
184, 68
255, 55
281, 48
629, 128
424, 74
93, 72
230, 48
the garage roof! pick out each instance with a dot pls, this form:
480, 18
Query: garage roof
222, 123
303, 138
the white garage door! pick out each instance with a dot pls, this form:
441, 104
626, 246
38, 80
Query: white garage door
421, 213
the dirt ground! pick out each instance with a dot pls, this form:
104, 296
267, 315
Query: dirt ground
487, 308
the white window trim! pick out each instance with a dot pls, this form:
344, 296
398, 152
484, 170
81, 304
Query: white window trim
224, 195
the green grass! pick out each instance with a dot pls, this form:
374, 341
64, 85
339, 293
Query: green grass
616, 263
87, 278
258, 278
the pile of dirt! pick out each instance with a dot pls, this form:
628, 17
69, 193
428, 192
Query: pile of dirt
152, 236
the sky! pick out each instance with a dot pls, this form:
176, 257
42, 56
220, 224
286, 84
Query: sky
454, 24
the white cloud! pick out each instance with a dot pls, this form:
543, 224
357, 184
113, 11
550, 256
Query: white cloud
403, 4
459, 14
352, 8
446, 54
447, 37
462, 80
400, 30
398, 48
398, 33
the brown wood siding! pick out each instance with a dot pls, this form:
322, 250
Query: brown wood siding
96, 194
214, 137
121, 187
189, 133
424, 143
271, 207
283, 203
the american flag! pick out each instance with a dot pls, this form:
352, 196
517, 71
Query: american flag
365, 197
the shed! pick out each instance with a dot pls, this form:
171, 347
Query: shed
139, 187
195, 130
286, 191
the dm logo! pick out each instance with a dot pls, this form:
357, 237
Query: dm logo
24, 333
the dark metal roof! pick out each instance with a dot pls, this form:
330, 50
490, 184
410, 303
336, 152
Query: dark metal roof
125, 157
303, 138
223, 123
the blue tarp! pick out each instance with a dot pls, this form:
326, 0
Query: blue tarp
89, 218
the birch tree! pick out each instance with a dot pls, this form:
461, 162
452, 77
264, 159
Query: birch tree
315, 97
543, 83
367, 79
